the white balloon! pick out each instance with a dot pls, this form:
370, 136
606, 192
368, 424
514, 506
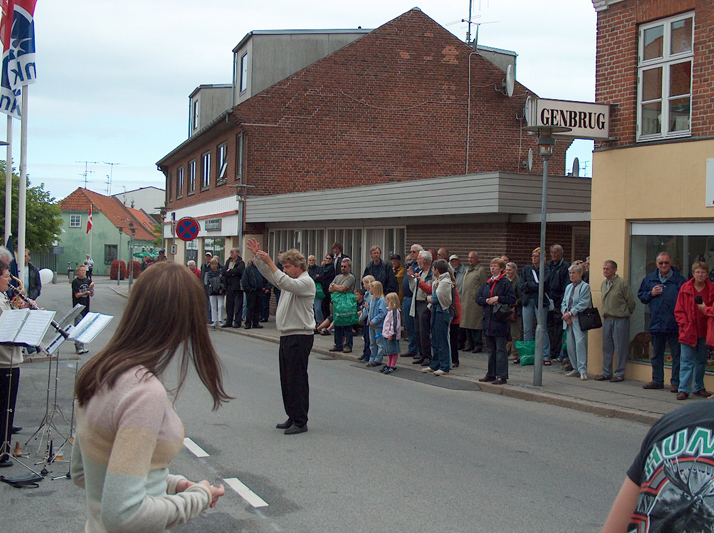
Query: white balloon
46, 276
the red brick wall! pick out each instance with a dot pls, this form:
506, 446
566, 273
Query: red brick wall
391, 106
492, 240
616, 62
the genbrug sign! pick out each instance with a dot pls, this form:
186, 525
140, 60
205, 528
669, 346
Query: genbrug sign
585, 120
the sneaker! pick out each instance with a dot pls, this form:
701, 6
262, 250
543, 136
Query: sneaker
573, 374
427, 370
441, 373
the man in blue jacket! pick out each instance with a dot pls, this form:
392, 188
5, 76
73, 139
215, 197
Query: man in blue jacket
659, 289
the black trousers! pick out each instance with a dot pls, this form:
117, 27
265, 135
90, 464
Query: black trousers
252, 312
9, 380
454, 334
497, 356
293, 357
422, 328
234, 307
555, 331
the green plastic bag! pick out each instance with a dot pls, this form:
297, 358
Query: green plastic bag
344, 308
526, 352
319, 293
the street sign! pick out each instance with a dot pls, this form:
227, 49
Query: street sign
187, 228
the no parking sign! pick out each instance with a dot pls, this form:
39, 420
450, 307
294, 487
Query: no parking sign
187, 229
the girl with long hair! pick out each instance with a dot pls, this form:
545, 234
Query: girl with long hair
127, 429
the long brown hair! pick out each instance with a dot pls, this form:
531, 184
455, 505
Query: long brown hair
165, 314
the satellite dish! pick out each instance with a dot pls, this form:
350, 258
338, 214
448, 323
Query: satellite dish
510, 80
528, 110
576, 168
530, 159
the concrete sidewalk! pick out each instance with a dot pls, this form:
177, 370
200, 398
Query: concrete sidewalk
626, 400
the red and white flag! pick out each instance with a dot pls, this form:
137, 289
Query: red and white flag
17, 33
89, 219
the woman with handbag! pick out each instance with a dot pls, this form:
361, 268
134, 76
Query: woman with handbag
496, 296
216, 285
576, 300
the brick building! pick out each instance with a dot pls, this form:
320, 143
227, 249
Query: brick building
400, 134
653, 182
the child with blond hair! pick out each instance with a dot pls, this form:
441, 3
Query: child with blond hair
377, 313
392, 331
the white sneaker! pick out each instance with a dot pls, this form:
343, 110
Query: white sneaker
584, 376
427, 369
573, 374
441, 373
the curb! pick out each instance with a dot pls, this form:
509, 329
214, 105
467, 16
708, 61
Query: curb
519, 392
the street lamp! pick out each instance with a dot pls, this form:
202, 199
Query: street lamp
121, 230
132, 230
546, 142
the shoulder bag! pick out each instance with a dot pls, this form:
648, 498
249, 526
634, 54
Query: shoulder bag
589, 319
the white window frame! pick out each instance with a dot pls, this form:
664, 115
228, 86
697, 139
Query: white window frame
243, 73
665, 62
196, 115
192, 176
75, 221
222, 162
179, 182
240, 155
205, 170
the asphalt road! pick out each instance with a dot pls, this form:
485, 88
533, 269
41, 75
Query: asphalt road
406, 452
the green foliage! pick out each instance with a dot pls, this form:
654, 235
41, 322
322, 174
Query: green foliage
44, 217
159, 240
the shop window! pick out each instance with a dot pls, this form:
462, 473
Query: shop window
686, 243
665, 78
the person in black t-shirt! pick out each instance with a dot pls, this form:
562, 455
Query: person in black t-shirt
670, 485
82, 290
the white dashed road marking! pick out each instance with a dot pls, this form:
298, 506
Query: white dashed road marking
194, 448
248, 495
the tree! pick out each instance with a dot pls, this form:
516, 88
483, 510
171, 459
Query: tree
44, 217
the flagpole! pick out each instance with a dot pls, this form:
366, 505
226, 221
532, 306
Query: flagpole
8, 182
22, 196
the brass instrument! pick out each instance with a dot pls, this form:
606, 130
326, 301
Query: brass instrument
17, 300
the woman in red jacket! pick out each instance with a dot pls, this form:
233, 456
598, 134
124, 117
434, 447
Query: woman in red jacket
692, 323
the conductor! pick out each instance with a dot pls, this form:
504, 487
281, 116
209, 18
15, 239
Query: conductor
296, 324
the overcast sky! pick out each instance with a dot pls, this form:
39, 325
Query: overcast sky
113, 78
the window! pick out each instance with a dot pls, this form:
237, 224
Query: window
196, 118
110, 253
240, 151
75, 221
222, 162
205, 170
244, 72
192, 176
665, 78
179, 182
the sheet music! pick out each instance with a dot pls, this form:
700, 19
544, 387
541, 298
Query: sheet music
24, 326
90, 326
